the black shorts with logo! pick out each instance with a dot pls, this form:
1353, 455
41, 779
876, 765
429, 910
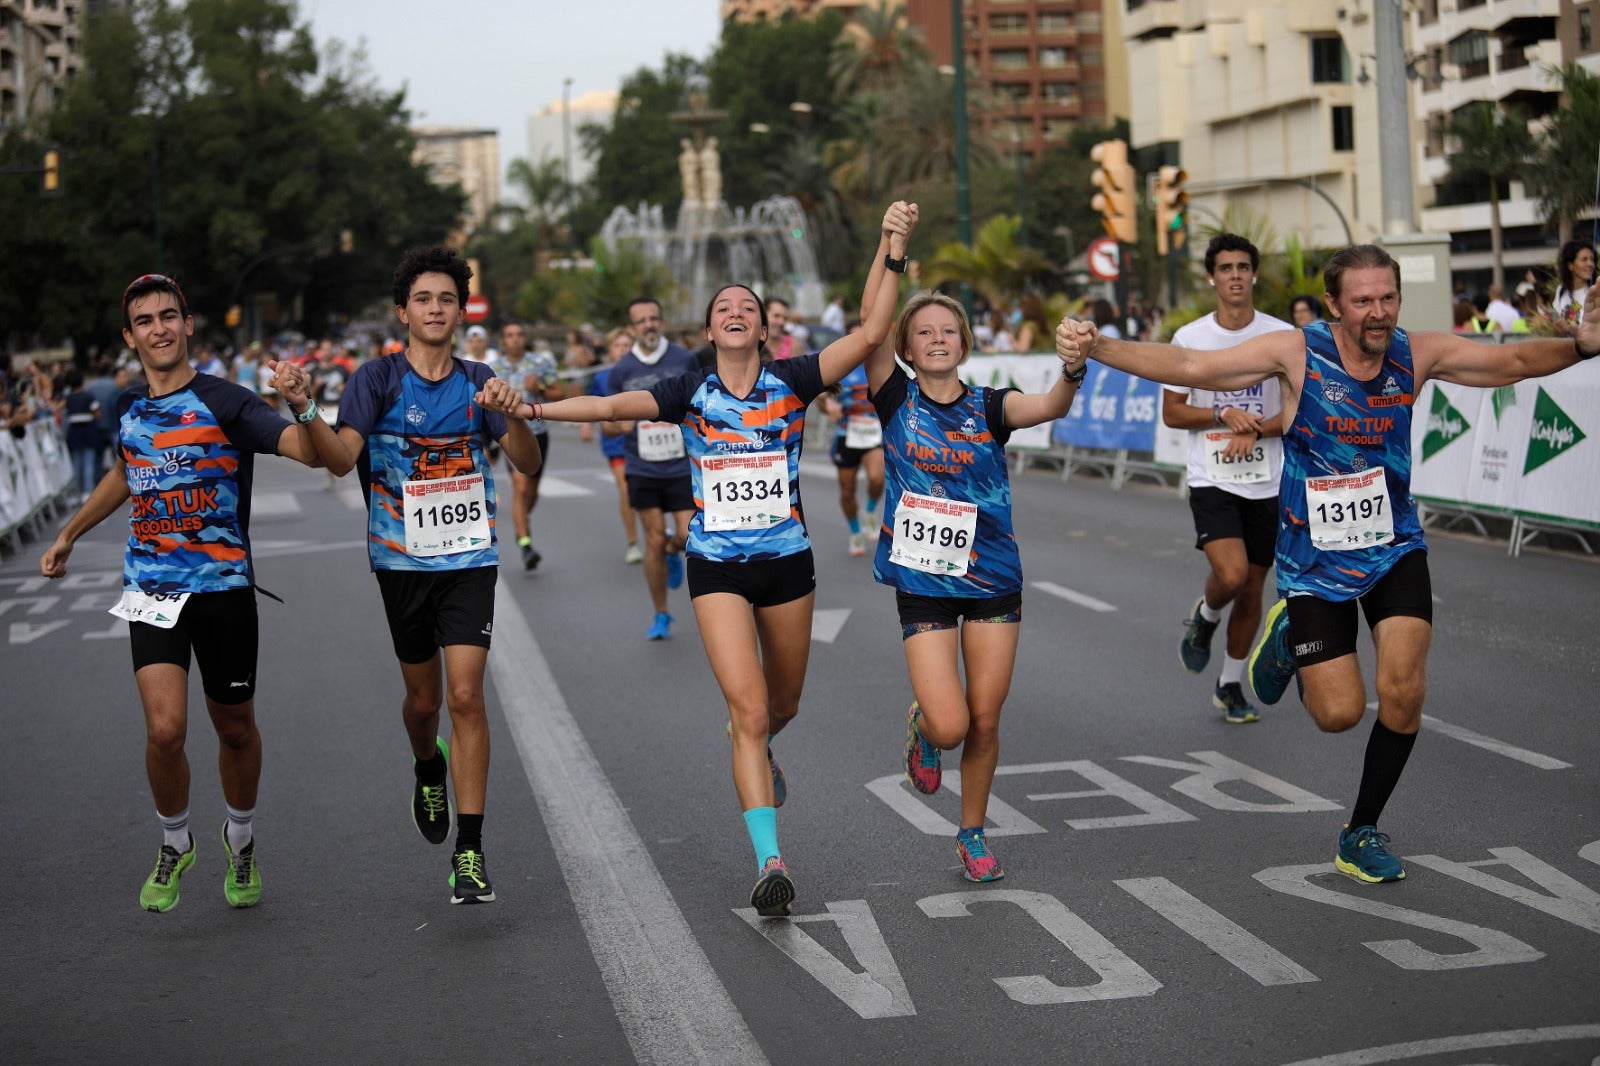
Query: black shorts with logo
222, 630
433, 609
1323, 630
1221, 515
661, 493
925, 614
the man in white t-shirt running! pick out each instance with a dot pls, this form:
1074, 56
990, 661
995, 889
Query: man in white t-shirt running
1235, 461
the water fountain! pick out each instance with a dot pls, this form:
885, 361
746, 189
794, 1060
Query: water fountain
765, 245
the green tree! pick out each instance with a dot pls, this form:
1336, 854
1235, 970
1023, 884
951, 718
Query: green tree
636, 157
997, 265
1564, 174
878, 46
1495, 147
209, 140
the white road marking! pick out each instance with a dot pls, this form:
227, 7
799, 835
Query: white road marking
669, 1001
817, 469
273, 504
1417, 1049
1072, 597
825, 625
1258, 959
1499, 747
551, 487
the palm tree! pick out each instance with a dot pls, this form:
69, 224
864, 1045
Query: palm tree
1564, 174
916, 133
997, 265
543, 188
1495, 147
877, 46
801, 170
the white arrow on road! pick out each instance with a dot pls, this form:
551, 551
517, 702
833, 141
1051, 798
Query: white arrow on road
825, 625
27, 632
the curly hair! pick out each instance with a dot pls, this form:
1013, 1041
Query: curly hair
1231, 242
436, 259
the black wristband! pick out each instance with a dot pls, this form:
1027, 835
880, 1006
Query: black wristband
1581, 353
896, 265
1075, 376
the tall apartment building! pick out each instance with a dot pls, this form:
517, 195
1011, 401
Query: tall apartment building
1264, 104
550, 127
466, 157
756, 10
40, 52
1495, 50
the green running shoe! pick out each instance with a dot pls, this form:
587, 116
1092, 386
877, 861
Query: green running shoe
469, 879
160, 891
430, 804
1229, 699
242, 885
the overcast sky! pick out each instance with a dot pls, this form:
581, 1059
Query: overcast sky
493, 63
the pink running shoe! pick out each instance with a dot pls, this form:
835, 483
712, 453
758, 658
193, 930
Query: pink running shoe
977, 858
774, 891
922, 758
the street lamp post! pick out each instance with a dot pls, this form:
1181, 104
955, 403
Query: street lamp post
566, 164
959, 61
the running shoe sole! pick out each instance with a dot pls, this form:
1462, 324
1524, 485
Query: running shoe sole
773, 894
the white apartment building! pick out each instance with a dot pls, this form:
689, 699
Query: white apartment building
466, 157
548, 129
1495, 50
1261, 103
40, 51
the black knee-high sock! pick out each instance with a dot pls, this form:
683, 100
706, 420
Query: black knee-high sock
1387, 752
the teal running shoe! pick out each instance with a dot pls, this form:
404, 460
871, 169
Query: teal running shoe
160, 891
1195, 648
1364, 855
242, 884
674, 570
1272, 661
1229, 699
430, 804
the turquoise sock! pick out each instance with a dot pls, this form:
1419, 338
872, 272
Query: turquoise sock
872, 504
855, 524
762, 825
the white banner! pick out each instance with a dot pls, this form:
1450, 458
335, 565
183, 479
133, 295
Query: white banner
32, 470
1531, 449
1029, 373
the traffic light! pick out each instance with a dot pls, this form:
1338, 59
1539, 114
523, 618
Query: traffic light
50, 177
1114, 179
1172, 201
233, 317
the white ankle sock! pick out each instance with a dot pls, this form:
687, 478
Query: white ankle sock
239, 832
1208, 613
1232, 670
175, 827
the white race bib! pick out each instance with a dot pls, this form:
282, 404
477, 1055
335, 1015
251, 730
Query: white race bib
934, 535
1349, 511
744, 491
159, 609
862, 432
660, 441
446, 516
1249, 469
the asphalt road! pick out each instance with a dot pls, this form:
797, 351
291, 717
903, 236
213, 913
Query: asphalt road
1169, 894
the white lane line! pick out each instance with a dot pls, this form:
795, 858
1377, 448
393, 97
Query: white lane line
818, 469
551, 487
1417, 1049
1499, 747
825, 624
273, 504
672, 1007
1073, 597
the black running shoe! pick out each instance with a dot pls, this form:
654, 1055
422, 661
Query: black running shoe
430, 804
469, 879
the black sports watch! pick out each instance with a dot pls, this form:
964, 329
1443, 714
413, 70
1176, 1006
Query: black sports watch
896, 265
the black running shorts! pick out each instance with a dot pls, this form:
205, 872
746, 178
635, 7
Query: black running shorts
763, 582
925, 614
1323, 630
429, 610
661, 493
1220, 515
222, 630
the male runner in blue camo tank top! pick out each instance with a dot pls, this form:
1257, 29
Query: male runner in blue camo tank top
1349, 532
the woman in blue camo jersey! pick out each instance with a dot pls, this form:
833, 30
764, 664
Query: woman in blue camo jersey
948, 548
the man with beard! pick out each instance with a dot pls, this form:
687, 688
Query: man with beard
1348, 530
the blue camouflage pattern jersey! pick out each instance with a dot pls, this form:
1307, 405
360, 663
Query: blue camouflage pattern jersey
952, 451
190, 458
418, 430
1343, 431
720, 430
853, 398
